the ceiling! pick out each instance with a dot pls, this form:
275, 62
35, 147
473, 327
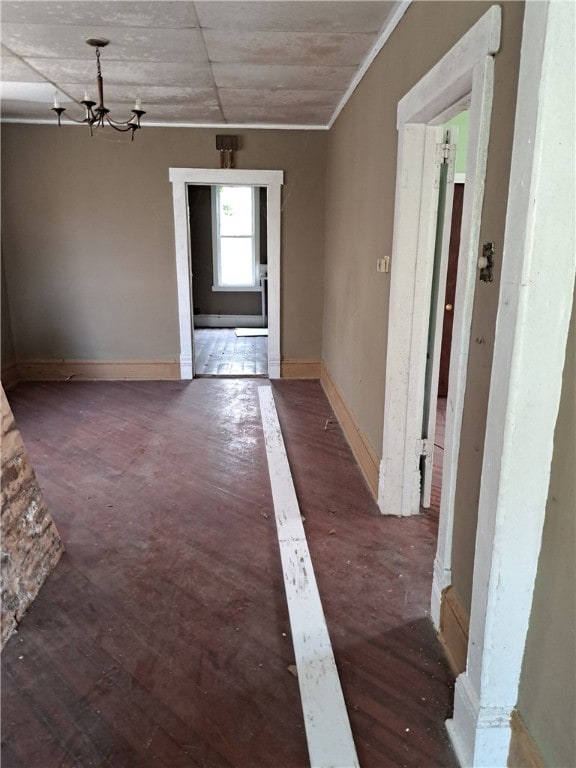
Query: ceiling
221, 62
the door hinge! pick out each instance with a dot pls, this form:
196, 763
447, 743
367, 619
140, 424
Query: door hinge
424, 447
446, 155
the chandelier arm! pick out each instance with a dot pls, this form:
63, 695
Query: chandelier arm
123, 127
100, 116
85, 120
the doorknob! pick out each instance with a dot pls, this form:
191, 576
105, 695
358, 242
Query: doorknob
448, 307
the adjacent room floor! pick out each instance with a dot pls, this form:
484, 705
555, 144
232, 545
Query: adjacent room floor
220, 352
438, 461
162, 638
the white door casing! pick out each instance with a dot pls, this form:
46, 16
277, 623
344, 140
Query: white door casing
181, 178
534, 308
462, 79
425, 233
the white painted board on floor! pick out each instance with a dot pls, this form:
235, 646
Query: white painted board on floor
251, 331
328, 732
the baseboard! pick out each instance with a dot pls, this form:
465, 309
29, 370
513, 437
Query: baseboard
523, 750
228, 321
361, 448
10, 376
454, 627
479, 734
98, 370
300, 369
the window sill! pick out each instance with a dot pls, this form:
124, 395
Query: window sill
238, 289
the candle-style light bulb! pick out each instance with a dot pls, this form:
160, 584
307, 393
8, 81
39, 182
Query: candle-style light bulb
56, 102
138, 103
87, 96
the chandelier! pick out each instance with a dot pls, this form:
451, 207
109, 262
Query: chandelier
97, 115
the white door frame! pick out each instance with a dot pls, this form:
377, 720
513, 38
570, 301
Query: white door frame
534, 308
462, 79
181, 178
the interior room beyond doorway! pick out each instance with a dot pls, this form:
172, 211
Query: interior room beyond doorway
443, 299
228, 246
225, 352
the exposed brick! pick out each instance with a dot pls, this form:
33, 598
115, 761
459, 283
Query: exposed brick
31, 546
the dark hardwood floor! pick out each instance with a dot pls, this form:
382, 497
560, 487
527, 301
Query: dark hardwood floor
162, 638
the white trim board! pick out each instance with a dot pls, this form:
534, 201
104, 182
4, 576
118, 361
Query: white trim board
160, 124
181, 178
451, 79
328, 732
534, 308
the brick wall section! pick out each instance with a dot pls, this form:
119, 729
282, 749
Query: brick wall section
31, 546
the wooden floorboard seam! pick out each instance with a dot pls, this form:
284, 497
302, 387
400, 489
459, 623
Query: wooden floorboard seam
328, 731
163, 637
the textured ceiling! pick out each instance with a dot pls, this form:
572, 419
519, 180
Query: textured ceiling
219, 63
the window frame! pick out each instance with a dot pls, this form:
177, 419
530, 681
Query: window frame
216, 241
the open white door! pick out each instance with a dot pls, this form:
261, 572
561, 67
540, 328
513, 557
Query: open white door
437, 298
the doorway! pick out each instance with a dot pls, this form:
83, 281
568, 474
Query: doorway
228, 251
271, 182
462, 79
431, 483
442, 302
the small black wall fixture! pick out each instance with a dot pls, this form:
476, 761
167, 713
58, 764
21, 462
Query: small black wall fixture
226, 145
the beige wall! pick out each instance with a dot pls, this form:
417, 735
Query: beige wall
7, 350
547, 698
89, 244
361, 175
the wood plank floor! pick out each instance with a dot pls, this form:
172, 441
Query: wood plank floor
219, 352
162, 638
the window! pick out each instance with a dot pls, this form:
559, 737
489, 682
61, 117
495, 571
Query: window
235, 238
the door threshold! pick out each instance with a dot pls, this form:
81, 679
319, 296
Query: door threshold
230, 375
